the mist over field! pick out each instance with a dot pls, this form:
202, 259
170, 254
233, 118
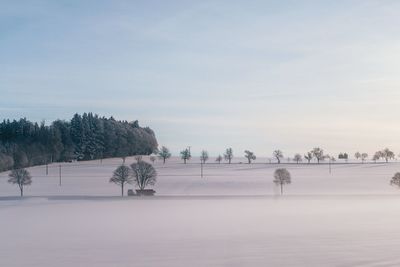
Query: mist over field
233, 216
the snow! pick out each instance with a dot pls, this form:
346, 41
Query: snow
231, 217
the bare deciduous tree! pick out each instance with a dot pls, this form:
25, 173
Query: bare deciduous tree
21, 177
309, 156
204, 156
364, 157
395, 181
228, 155
387, 154
219, 159
278, 155
121, 176
249, 155
318, 153
144, 174
376, 156
164, 154
297, 158
185, 155
282, 177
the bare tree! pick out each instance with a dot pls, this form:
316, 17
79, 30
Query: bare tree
228, 155
204, 156
138, 158
309, 156
219, 159
344, 156
376, 156
21, 177
282, 177
387, 154
121, 176
318, 153
153, 159
297, 158
164, 154
185, 155
249, 155
144, 174
278, 155
364, 157
395, 181
357, 155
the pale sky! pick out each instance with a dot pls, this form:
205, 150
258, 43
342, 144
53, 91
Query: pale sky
257, 75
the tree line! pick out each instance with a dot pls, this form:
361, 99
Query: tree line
84, 137
317, 154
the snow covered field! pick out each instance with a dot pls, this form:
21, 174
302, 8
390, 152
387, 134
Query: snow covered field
232, 217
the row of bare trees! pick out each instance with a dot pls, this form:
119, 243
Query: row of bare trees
317, 154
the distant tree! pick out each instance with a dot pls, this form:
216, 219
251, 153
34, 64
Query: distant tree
282, 177
376, 156
395, 181
297, 158
219, 159
387, 154
153, 159
144, 174
121, 176
318, 153
185, 155
138, 158
204, 156
21, 177
309, 156
344, 156
278, 155
288, 159
228, 155
357, 155
249, 155
164, 154
364, 156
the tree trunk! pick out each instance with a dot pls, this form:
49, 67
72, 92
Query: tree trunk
122, 189
164, 161
279, 161
281, 189
184, 161
22, 190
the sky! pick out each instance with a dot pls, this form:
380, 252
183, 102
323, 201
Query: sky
257, 75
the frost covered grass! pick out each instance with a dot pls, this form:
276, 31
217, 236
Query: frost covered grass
232, 217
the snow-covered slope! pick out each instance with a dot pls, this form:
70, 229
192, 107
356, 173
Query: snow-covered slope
175, 178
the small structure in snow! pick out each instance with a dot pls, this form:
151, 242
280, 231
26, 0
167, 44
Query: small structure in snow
145, 192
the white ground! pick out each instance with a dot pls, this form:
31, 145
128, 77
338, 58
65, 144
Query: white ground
231, 217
